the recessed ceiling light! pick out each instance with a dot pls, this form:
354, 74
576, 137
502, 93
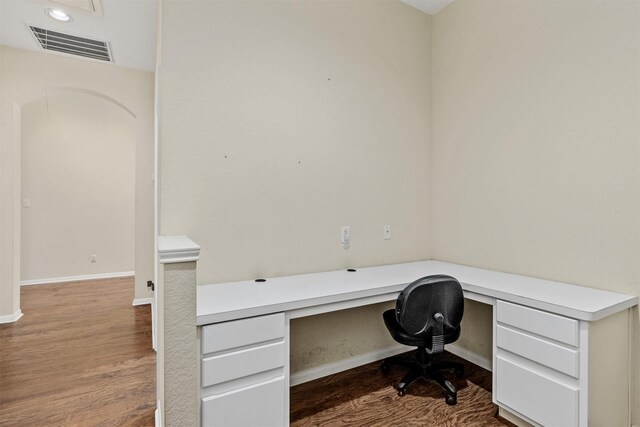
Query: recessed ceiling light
59, 15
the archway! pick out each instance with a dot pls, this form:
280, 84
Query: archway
77, 188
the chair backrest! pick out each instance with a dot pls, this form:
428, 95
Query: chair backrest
432, 305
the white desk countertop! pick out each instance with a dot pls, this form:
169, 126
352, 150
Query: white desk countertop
228, 301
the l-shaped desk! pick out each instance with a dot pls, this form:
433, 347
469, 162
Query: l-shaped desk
560, 351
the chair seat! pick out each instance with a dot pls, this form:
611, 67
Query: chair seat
398, 334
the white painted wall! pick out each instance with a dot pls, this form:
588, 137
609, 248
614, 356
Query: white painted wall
536, 142
26, 76
281, 122
78, 172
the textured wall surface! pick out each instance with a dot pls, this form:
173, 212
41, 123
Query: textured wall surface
536, 142
295, 119
181, 353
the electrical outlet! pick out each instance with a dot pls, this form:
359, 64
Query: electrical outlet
345, 235
94, 258
387, 232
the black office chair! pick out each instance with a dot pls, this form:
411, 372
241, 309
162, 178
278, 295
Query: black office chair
427, 315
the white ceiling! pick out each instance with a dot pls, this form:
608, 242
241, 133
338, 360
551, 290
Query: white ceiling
128, 25
430, 6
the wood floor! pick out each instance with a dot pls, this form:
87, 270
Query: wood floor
80, 356
365, 397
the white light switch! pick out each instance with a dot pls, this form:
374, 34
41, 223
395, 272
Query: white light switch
26, 203
94, 258
387, 232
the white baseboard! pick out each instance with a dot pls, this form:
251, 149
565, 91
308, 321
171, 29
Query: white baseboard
158, 415
363, 359
469, 356
343, 365
10, 318
77, 278
142, 301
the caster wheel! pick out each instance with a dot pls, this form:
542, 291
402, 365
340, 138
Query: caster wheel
451, 400
384, 367
402, 392
459, 373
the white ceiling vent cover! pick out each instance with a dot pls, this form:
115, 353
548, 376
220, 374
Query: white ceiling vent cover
72, 45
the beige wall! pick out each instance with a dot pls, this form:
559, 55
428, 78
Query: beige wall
325, 338
536, 142
9, 270
299, 117
78, 172
288, 121
24, 77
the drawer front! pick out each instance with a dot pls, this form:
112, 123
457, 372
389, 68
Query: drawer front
538, 350
239, 333
257, 405
238, 364
540, 398
548, 325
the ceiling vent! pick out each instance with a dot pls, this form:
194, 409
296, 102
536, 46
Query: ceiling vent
72, 45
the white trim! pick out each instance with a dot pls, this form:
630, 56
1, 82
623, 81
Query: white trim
158, 415
469, 356
363, 359
345, 364
77, 278
173, 249
10, 318
142, 301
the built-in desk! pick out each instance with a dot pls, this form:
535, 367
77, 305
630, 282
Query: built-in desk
560, 351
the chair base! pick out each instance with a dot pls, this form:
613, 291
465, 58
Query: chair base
423, 367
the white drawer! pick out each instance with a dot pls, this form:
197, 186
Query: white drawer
257, 405
238, 364
239, 333
555, 356
540, 398
559, 328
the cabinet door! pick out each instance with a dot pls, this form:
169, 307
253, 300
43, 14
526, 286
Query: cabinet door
258, 405
538, 397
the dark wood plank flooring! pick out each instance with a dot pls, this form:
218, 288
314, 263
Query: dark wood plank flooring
80, 356
365, 397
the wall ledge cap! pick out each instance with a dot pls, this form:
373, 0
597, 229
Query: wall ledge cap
174, 249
